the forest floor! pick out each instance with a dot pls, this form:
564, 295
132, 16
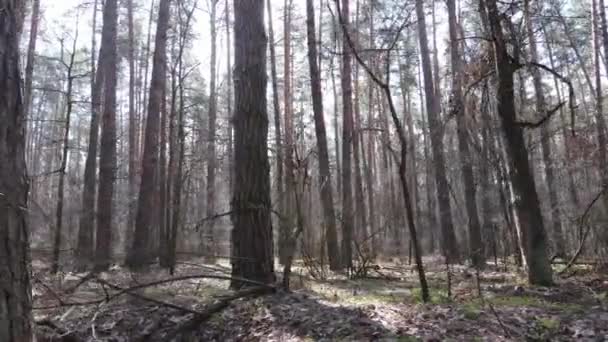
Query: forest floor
385, 305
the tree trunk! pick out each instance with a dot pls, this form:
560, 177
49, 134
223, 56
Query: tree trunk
211, 156
229, 101
15, 294
600, 121
449, 243
139, 255
64, 159
466, 163
133, 133
528, 207
347, 140
277, 121
286, 225
107, 148
252, 232
84, 249
545, 140
31, 52
327, 202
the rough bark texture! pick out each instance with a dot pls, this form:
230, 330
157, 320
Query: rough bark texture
252, 232
545, 140
15, 296
327, 202
527, 203
449, 243
107, 147
347, 138
229, 99
84, 248
139, 255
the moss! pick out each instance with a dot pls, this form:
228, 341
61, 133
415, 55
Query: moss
471, 311
549, 324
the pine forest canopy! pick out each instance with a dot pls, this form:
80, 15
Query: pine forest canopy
321, 135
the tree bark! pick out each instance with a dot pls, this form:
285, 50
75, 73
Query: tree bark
139, 255
84, 249
252, 231
15, 294
449, 243
528, 206
327, 201
58, 233
545, 140
600, 121
133, 133
107, 147
347, 140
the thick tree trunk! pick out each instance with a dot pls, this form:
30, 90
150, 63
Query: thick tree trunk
327, 202
545, 140
528, 206
252, 232
139, 255
107, 148
84, 248
347, 140
15, 294
449, 243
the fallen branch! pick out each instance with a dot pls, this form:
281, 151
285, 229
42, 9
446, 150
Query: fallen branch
586, 233
202, 317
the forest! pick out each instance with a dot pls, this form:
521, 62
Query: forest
303, 170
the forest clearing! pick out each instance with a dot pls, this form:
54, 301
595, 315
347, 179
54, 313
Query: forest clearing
303, 170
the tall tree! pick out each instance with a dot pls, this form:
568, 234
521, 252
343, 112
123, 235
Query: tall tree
31, 52
15, 295
288, 197
58, 233
107, 146
84, 247
449, 243
139, 255
347, 137
327, 201
252, 231
211, 155
133, 133
524, 187
600, 121
466, 162
545, 138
